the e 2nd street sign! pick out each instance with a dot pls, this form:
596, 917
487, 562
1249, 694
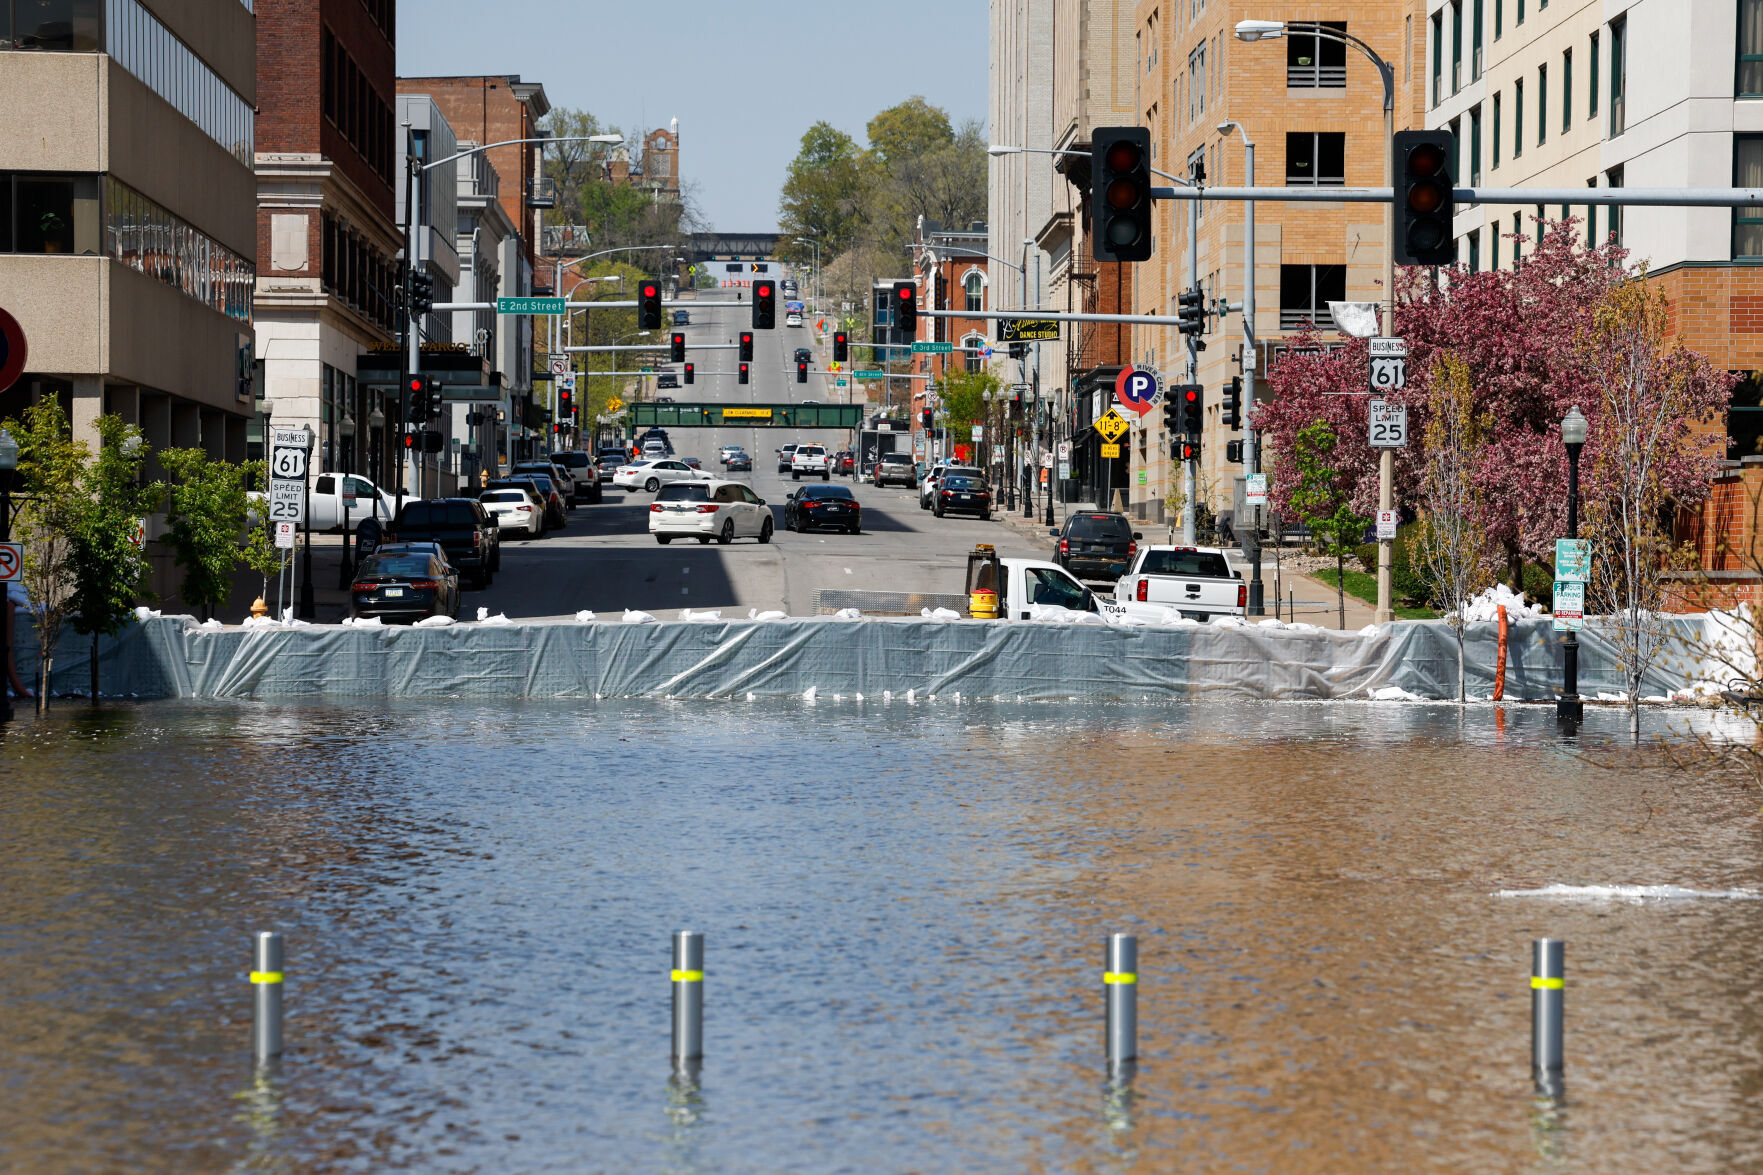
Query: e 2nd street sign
1389, 364
1389, 425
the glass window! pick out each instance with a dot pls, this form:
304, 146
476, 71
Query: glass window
1744, 418
5, 214
1517, 119
1618, 76
168, 67
1305, 292
1542, 104
1475, 42
1495, 145
1438, 53
1566, 91
1499, 18
1493, 245
1750, 76
53, 213
1747, 172
972, 357
1316, 158
141, 234
1475, 146
1591, 108
1316, 61
68, 25
975, 287
1209, 564
1456, 45
1052, 587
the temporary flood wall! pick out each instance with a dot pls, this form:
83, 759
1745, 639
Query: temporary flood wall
173, 657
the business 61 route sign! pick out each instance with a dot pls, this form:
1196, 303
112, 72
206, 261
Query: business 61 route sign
1137, 389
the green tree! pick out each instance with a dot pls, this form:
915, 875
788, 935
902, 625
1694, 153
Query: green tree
1454, 546
821, 195
964, 397
907, 130
50, 464
205, 514
1322, 499
109, 568
260, 553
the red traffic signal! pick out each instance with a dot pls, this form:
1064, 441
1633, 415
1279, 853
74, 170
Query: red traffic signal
679, 347
742, 377
841, 346
801, 372
746, 346
1120, 205
649, 306
1425, 198
906, 307
689, 372
764, 305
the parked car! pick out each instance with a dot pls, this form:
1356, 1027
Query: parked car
1197, 582
961, 494
556, 514
710, 509
682, 318
844, 461
927, 485
783, 457
827, 506
809, 461
465, 530
895, 469
1095, 545
652, 475
740, 462
580, 466
404, 585
519, 510
565, 482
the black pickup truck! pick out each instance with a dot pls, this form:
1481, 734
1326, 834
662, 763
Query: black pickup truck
465, 530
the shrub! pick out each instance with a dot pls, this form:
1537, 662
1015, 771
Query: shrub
1408, 579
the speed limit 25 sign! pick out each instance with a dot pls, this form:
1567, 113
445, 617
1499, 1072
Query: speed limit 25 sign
1389, 425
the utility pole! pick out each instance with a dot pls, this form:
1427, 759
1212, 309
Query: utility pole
1251, 368
1189, 468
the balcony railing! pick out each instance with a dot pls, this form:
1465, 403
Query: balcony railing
1316, 77
1292, 321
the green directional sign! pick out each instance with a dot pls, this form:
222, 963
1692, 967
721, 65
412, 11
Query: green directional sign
932, 348
530, 305
868, 374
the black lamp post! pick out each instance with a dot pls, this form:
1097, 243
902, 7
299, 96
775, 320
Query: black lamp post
8, 463
1570, 708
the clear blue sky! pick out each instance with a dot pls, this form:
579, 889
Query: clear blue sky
744, 77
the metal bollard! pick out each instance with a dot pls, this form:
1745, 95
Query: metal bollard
1548, 979
266, 1036
688, 995
1120, 982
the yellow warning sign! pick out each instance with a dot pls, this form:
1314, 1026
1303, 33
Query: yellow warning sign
614, 406
1110, 450
754, 413
1111, 424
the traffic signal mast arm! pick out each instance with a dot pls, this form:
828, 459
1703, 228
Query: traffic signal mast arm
1642, 197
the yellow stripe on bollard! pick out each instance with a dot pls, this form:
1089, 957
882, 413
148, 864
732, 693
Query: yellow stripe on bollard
688, 977
266, 977
1538, 982
1120, 977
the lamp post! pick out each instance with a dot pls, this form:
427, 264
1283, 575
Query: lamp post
1573, 430
1251, 454
346, 566
8, 463
1262, 30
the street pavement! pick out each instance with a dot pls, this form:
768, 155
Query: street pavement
606, 560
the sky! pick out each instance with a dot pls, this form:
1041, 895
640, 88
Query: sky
745, 78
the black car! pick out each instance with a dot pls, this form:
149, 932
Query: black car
667, 379
957, 494
467, 532
739, 461
1094, 545
682, 318
405, 585
828, 506
804, 355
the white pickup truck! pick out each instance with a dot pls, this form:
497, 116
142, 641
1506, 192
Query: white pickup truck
329, 490
1032, 586
1195, 582
810, 461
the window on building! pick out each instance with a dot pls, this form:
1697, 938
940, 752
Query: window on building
1591, 106
1517, 119
1314, 61
1618, 76
1493, 245
975, 288
1591, 218
69, 26
1518, 16
1542, 104
1499, 22
1566, 91
1517, 238
970, 355
1747, 172
354, 107
1475, 42
1316, 159
50, 213
1474, 146
1744, 418
1494, 147
1305, 292
1438, 54
1456, 45
1750, 70
1456, 128
146, 237
1472, 252
1197, 83
1613, 179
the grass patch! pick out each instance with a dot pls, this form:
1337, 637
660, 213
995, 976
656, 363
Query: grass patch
1363, 587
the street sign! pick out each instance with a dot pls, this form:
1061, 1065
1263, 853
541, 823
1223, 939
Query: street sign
1111, 450
1064, 450
1386, 525
1137, 389
979, 432
1573, 560
1111, 425
284, 535
529, 305
613, 407
839, 383
1028, 330
566, 383
1255, 491
559, 364
867, 374
1389, 364
12, 350
287, 501
1064, 471
1569, 607
932, 348
1389, 425
138, 533
288, 450
11, 562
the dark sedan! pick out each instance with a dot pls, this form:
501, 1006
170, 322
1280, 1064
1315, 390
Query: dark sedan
738, 461
963, 495
829, 507
406, 586
1096, 545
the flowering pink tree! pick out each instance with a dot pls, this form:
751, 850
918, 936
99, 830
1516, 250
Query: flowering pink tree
1521, 333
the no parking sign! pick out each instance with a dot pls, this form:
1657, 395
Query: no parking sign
1137, 389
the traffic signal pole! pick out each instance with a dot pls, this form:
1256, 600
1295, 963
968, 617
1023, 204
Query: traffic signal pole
1386, 461
1189, 468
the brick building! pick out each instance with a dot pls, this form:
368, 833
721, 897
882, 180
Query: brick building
951, 268
327, 160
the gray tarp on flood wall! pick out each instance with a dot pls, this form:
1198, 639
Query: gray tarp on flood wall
170, 657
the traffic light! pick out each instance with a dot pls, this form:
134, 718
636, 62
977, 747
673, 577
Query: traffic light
1190, 313
419, 388
649, 305
1120, 193
1233, 403
1233, 452
765, 305
426, 441
1171, 414
742, 377
801, 372
435, 405
1193, 417
1425, 202
906, 308
746, 346
679, 347
566, 403
841, 346
689, 372
422, 292
1189, 450
926, 415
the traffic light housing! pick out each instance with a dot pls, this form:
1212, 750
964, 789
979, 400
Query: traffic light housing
1425, 202
927, 418
1233, 452
679, 347
690, 371
765, 305
801, 372
566, 403
742, 376
841, 346
1189, 450
1190, 313
649, 305
906, 308
1171, 414
1120, 193
424, 397
422, 292
1233, 403
1192, 398
746, 346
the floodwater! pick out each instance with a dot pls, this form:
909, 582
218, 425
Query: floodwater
904, 909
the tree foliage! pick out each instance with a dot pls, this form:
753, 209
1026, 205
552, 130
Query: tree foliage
822, 195
614, 214
205, 513
50, 501
1453, 547
1321, 497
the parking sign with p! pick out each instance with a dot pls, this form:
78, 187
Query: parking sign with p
1137, 389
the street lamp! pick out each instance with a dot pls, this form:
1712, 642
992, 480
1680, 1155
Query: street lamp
1251, 465
1573, 430
8, 463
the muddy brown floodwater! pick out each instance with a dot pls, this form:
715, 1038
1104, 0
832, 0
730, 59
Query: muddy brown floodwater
904, 909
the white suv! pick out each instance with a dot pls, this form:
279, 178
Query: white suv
810, 459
